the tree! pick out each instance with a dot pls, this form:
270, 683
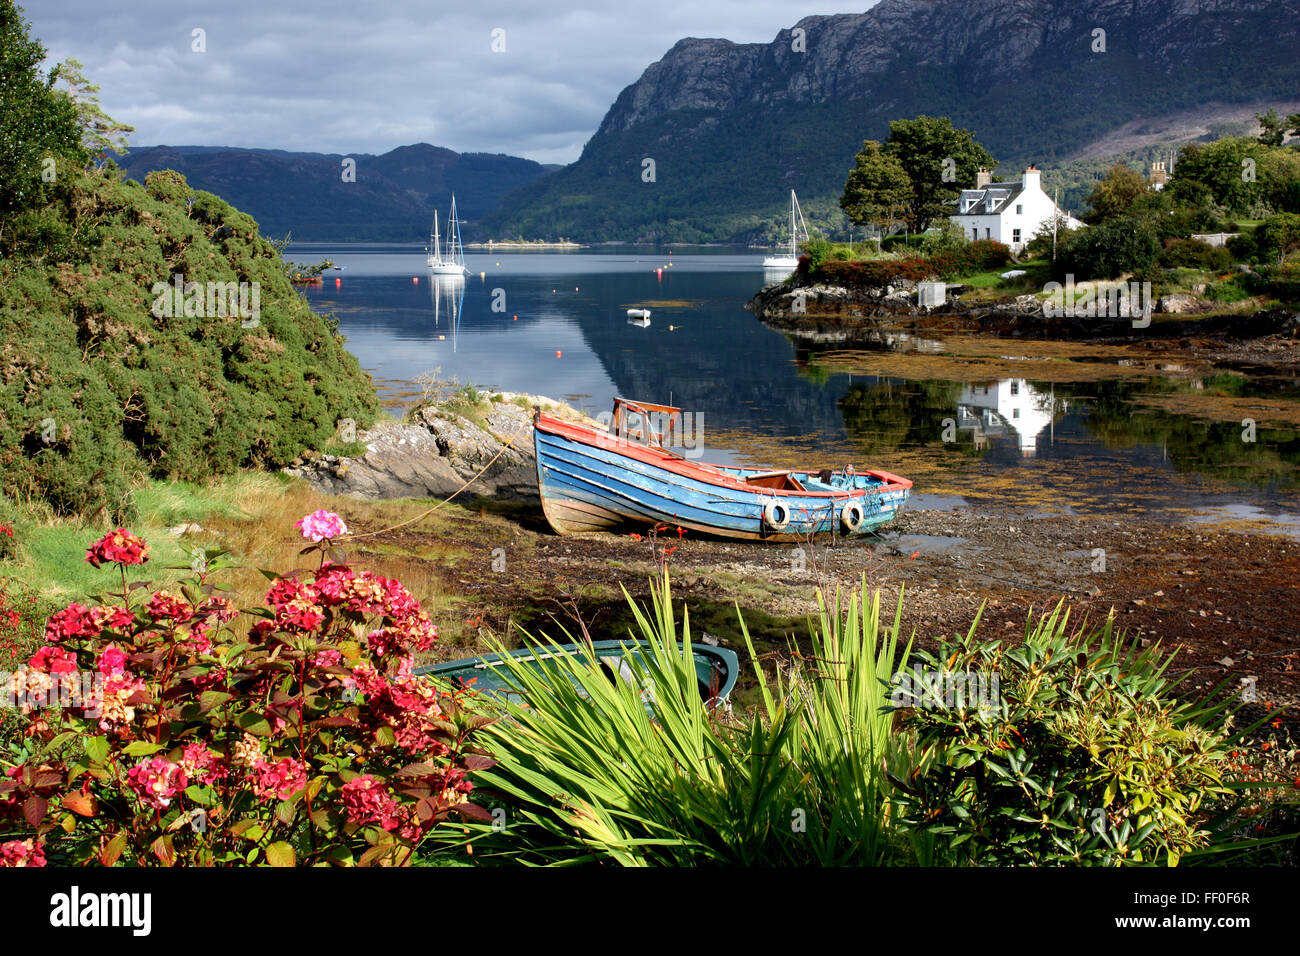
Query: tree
1274, 129
878, 191
37, 125
1116, 193
1278, 235
100, 133
940, 160
1226, 171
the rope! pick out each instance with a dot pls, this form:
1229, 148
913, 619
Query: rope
425, 514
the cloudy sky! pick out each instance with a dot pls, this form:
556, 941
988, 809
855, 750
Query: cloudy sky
360, 76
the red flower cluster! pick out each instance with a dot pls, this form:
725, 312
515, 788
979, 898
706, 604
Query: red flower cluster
366, 800
73, 621
156, 781
118, 547
278, 780
164, 605
22, 853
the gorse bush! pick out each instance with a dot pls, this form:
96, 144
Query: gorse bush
96, 389
99, 383
167, 727
1082, 757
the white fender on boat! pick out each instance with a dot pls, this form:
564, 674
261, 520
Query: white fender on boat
852, 516
776, 515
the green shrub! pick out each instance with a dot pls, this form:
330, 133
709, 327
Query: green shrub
1109, 250
1081, 757
817, 250
876, 273
97, 390
1194, 254
981, 255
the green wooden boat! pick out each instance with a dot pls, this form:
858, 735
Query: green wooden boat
716, 668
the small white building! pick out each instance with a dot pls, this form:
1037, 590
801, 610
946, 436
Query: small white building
1009, 213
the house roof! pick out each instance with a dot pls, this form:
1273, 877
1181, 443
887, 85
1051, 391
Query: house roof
988, 200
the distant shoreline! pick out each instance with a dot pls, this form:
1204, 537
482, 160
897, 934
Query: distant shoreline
504, 244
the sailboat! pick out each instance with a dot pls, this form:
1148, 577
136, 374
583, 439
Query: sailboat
452, 262
796, 225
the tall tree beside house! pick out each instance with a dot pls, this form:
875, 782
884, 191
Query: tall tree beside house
878, 191
100, 133
940, 160
1115, 195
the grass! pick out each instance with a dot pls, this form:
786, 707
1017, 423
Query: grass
251, 515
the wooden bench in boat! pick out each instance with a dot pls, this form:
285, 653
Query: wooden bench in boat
778, 480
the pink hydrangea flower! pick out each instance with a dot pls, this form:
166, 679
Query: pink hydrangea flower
367, 800
112, 660
201, 764
279, 779
75, 620
22, 853
52, 659
156, 780
321, 525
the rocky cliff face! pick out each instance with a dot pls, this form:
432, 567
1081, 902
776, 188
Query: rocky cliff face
1034, 79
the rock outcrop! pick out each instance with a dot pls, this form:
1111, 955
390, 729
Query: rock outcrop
436, 451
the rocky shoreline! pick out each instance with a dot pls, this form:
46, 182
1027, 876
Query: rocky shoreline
824, 313
437, 448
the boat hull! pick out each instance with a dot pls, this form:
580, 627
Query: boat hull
716, 668
589, 481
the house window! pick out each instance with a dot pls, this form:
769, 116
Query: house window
1015, 413
1015, 236
1020, 210
988, 232
975, 232
1015, 388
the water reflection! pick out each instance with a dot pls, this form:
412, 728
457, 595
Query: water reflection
1012, 408
770, 400
448, 293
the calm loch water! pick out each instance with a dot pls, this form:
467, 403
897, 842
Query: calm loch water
1084, 433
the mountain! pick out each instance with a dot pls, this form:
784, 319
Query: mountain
732, 127
392, 199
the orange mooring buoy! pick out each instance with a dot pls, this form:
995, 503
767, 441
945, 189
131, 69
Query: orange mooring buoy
558, 353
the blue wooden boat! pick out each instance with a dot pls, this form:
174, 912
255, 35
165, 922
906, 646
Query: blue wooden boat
716, 668
630, 476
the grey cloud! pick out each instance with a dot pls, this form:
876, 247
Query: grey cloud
335, 76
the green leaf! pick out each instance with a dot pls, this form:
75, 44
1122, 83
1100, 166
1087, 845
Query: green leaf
97, 749
212, 698
254, 723
141, 748
280, 854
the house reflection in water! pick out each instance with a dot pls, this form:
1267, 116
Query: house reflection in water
1011, 408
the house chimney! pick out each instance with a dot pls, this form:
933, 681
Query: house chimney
982, 178
1033, 178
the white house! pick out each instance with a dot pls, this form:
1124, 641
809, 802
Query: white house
1008, 212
